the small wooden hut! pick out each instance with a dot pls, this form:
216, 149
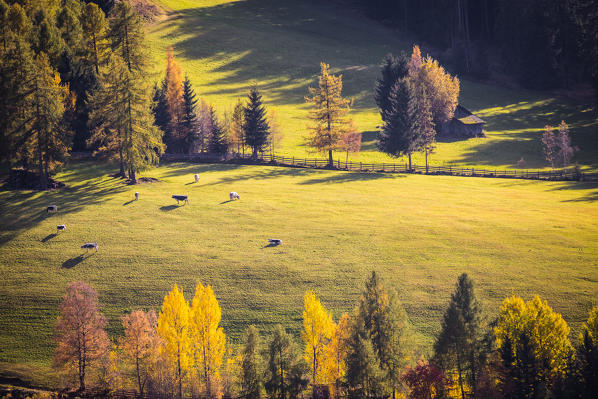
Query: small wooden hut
463, 125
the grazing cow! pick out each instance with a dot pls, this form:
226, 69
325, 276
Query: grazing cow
52, 208
274, 241
60, 227
184, 198
233, 195
90, 245
196, 178
136, 195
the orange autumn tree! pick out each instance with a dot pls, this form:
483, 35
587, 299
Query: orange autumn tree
140, 344
350, 140
80, 332
173, 85
336, 353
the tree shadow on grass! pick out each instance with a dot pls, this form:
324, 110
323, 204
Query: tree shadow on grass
70, 263
591, 196
167, 208
49, 237
344, 177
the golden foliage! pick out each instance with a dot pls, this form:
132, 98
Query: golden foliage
318, 329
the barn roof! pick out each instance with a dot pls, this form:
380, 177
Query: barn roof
466, 117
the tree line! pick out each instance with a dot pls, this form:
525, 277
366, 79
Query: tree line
543, 43
524, 352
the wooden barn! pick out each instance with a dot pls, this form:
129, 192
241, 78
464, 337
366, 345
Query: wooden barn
463, 125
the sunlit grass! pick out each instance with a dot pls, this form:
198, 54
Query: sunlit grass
419, 232
226, 47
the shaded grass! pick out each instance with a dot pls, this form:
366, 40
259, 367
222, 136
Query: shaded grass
419, 232
228, 46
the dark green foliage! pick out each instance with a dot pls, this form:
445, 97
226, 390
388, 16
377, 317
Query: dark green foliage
587, 366
127, 35
190, 120
382, 325
251, 365
458, 348
217, 142
396, 138
255, 124
161, 115
587, 17
286, 372
392, 69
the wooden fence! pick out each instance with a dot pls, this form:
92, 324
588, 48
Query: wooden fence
571, 173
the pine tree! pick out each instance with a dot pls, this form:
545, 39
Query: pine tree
421, 124
396, 138
328, 113
392, 69
190, 122
255, 124
207, 337
217, 142
251, 365
94, 36
173, 328
236, 126
160, 111
458, 346
286, 372
364, 374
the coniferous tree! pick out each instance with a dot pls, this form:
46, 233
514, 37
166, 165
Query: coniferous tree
421, 123
458, 347
173, 94
127, 37
217, 142
236, 126
286, 372
94, 36
251, 365
392, 69
328, 113
190, 122
160, 111
365, 377
396, 137
587, 356
255, 123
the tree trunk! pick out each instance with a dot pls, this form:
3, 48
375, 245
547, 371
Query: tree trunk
330, 160
460, 374
139, 378
426, 161
409, 155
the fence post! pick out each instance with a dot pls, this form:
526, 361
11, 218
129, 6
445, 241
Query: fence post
472, 172
361, 166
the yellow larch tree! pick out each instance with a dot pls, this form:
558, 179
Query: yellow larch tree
174, 100
336, 353
207, 337
317, 332
173, 328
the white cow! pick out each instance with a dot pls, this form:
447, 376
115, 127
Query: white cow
90, 245
233, 195
196, 178
60, 227
136, 195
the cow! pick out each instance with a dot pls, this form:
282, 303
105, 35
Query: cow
196, 178
136, 195
90, 245
60, 227
178, 198
274, 241
52, 208
233, 195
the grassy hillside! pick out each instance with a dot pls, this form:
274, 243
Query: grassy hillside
227, 46
419, 232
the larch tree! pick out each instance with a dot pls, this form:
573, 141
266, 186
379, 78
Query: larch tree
458, 346
127, 36
587, 355
140, 344
566, 150
336, 353
392, 69
421, 123
276, 133
318, 329
207, 337
95, 30
255, 123
175, 106
550, 146
387, 326
80, 335
533, 343
251, 373
174, 329
365, 378
328, 113
235, 126
47, 133
350, 141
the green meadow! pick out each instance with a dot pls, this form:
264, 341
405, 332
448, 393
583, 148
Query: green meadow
225, 47
420, 232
